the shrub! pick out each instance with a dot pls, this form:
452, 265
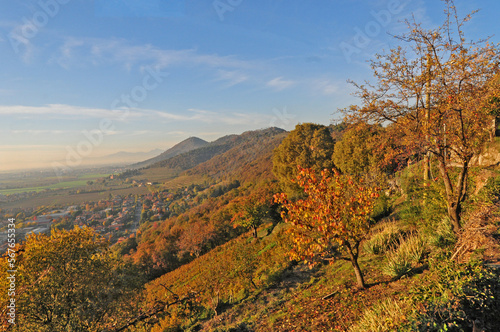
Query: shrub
456, 295
442, 234
402, 259
384, 239
382, 208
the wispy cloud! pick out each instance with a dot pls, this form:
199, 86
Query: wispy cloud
66, 111
190, 115
39, 132
98, 51
326, 86
231, 77
279, 83
229, 117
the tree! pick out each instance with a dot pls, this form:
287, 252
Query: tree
195, 238
308, 145
335, 214
359, 150
69, 281
439, 93
250, 212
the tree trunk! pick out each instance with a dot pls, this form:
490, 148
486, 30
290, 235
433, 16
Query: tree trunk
254, 232
454, 194
353, 255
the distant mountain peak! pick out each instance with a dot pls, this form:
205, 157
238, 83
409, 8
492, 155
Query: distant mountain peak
186, 145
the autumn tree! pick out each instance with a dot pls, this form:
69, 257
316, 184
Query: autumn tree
195, 237
335, 214
437, 90
308, 145
69, 281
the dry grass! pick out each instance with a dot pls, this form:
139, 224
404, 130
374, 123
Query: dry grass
480, 233
384, 237
409, 253
388, 315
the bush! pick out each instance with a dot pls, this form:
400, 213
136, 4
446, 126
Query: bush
442, 234
456, 295
404, 258
383, 240
382, 208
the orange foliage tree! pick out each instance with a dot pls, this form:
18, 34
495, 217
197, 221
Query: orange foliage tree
437, 95
335, 214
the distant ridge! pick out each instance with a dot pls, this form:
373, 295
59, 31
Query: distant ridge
218, 147
197, 156
249, 160
187, 145
126, 154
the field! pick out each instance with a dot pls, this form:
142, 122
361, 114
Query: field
60, 185
37, 184
46, 190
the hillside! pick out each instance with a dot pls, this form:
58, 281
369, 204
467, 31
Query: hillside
249, 160
197, 156
187, 145
249, 284
200, 215
232, 152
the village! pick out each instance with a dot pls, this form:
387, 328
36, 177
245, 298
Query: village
116, 218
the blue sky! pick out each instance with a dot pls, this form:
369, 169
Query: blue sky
81, 79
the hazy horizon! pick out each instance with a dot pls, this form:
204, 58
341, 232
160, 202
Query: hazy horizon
137, 76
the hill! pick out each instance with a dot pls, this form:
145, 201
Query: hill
128, 157
187, 145
240, 149
248, 160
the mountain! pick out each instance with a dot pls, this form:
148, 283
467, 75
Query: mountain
136, 155
187, 145
250, 157
124, 157
227, 153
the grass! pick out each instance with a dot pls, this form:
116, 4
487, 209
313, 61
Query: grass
384, 238
409, 253
387, 315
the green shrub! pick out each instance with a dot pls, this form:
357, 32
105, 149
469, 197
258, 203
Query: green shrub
455, 295
442, 235
396, 265
382, 208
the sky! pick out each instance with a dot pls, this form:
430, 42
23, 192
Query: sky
82, 79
